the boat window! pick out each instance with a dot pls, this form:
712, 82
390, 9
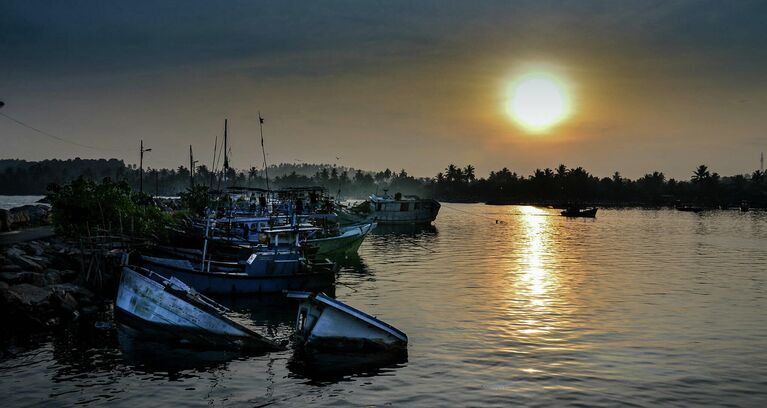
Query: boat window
404, 206
416, 206
378, 206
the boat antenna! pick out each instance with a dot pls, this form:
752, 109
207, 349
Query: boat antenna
226, 157
263, 150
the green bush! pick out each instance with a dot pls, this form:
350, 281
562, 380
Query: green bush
83, 204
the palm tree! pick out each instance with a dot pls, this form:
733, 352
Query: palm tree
700, 174
468, 173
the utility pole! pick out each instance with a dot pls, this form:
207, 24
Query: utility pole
141, 166
192, 162
761, 163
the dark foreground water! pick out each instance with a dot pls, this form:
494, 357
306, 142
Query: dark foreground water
636, 307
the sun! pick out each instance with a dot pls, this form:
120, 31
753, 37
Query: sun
538, 101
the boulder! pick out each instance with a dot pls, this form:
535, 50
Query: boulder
35, 249
27, 215
80, 293
14, 278
67, 302
27, 296
53, 276
10, 268
14, 251
26, 263
3, 286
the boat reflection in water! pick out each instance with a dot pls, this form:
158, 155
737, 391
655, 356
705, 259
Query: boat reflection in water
145, 351
327, 368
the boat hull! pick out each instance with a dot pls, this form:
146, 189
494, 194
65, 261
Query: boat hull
326, 324
590, 213
347, 243
144, 301
226, 283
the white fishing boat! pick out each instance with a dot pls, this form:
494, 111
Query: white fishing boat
400, 209
324, 323
147, 298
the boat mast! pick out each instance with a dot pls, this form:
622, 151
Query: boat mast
226, 152
263, 150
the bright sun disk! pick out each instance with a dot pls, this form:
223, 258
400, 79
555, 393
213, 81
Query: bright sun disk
538, 101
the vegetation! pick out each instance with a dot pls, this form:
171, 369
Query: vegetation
458, 184
83, 204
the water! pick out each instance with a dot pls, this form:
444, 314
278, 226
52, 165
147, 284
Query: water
635, 307
8, 202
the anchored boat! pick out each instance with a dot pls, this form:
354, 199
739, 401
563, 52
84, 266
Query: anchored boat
577, 212
398, 209
148, 298
324, 323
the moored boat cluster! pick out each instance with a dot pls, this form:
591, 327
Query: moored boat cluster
256, 241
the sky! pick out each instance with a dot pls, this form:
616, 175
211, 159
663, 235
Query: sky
654, 85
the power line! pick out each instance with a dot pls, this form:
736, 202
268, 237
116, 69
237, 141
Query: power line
52, 136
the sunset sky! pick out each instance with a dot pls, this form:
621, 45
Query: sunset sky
663, 85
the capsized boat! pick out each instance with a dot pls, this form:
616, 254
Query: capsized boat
149, 298
324, 323
577, 212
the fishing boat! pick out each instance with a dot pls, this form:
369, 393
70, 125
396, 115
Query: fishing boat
689, 208
324, 241
399, 209
148, 298
264, 272
324, 323
577, 212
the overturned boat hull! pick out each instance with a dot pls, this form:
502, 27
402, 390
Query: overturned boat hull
326, 324
146, 298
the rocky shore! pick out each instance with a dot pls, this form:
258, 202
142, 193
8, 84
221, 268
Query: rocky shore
41, 285
24, 216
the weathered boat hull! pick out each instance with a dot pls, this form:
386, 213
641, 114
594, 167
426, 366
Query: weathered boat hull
324, 323
232, 283
145, 298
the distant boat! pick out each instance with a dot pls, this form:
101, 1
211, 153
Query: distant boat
400, 209
151, 299
576, 212
744, 206
688, 208
324, 323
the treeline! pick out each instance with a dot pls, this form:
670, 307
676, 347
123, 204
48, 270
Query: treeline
576, 185
457, 184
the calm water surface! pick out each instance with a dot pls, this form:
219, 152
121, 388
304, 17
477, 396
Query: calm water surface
635, 307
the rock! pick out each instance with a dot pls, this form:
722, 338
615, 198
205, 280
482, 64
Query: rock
26, 215
26, 263
14, 251
27, 296
10, 268
14, 278
52, 276
3, 286
35, 249
67, 302
80, 293
68, 275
